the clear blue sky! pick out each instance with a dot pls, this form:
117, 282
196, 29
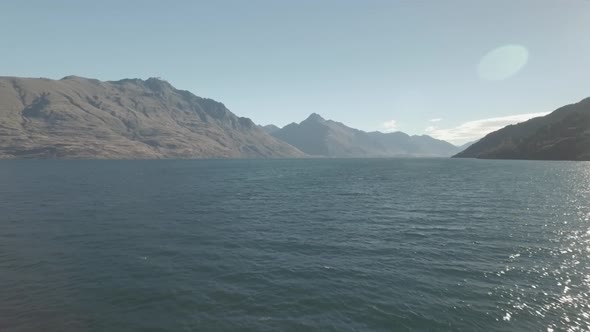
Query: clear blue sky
369, 64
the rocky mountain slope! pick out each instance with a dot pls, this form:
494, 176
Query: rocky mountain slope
77, 117
319, 137
562, 135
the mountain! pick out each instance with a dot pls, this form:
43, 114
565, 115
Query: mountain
466, 145
317, 136
269, 128
561, 135
77, 117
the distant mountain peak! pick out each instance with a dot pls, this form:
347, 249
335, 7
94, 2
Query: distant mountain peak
315, 117
269, 128
316, 136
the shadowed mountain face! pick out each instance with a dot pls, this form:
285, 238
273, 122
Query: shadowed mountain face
83, 118
319, 137
561, 135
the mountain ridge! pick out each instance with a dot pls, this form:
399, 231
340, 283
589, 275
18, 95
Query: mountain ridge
77, 117
564, 134
317, 136
269, 129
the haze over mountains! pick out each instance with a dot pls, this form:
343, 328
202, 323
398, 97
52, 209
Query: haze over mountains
317, 136
562, 135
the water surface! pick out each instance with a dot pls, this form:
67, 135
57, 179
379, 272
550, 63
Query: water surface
294, 245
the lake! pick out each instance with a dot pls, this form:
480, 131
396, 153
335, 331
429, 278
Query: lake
294, 245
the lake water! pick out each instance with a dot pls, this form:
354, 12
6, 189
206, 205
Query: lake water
294, 245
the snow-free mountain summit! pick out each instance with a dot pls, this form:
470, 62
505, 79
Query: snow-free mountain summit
317, 136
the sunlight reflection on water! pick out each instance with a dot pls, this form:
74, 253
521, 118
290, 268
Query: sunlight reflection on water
567, 302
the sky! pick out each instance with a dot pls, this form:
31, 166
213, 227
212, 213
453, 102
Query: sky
453, 69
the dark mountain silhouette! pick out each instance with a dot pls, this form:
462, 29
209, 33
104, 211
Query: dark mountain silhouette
561, 135
77, 117
319, 137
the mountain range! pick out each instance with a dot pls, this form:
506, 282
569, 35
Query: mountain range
316, 136
77, 117
561, 135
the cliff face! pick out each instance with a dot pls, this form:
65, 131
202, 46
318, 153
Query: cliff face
84, 118
562, 135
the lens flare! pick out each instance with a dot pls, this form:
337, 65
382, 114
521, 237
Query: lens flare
503, 62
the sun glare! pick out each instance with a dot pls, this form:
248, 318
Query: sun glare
503, 62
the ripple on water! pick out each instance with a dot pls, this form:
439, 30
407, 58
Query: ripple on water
314, 245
